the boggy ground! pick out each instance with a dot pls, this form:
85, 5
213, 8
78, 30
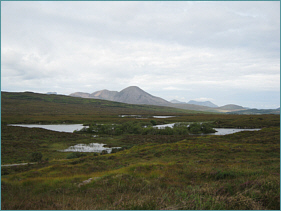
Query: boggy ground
237, 171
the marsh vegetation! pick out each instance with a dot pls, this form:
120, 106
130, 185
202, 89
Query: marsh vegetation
174, 169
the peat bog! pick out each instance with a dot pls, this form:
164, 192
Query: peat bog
153, 170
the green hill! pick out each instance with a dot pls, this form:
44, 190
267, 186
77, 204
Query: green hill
28, 107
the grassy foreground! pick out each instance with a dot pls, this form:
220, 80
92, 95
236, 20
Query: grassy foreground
238, 171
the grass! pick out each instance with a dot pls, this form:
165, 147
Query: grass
180, 172
206, 172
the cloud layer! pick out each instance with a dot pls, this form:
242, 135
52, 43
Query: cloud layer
225, 51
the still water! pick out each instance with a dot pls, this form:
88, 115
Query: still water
68, 128
226, 131
140, 116
96, 147
163, 117
92, 147
220, 131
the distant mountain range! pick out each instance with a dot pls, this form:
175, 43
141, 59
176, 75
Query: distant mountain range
257, 111
131, 95
204, 103
135, 95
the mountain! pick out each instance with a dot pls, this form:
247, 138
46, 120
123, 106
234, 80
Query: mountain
176, 101
205, 103
131, 95
104, 94
80, 94
256, 111
192, 107
193, 102
230, 108
135, 95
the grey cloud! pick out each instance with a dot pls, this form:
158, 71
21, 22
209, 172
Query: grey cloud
75, 46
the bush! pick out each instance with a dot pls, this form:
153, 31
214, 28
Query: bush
36, 157
195, 128
207, 128
104, 152
153, 122
75, 155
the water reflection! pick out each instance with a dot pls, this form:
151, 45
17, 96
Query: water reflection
140, 116
163, 117
68, 128
226, 131
92, 147
165, 125
220, 131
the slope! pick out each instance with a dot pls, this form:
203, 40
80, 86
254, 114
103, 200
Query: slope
28, 107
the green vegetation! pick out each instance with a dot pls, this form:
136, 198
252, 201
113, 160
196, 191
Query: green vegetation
143, 128
76, 155
172, 170
36, 157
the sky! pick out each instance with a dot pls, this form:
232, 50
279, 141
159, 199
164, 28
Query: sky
225, 52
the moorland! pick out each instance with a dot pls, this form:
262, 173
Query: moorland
176, 169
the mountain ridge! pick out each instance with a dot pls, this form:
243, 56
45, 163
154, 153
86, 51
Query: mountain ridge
194, 102
131, 95
204, 103
135, 95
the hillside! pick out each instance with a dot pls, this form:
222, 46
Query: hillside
205, 103
131, 95
135, 95
194, 102
104, 95
154, 169
28, 107
257, 111
193, 107
230, 108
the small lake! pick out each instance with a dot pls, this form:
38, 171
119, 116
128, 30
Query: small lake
92, 147
226, 131
165, 125
125, 115
163, 117
140, 116
68, 128
220, 131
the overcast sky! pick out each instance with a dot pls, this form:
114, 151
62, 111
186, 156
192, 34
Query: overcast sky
225, 52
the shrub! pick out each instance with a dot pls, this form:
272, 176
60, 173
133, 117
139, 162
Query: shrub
104, 152
153, 122
36, 157
195, 128
75, 155
207, 128
114, 150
